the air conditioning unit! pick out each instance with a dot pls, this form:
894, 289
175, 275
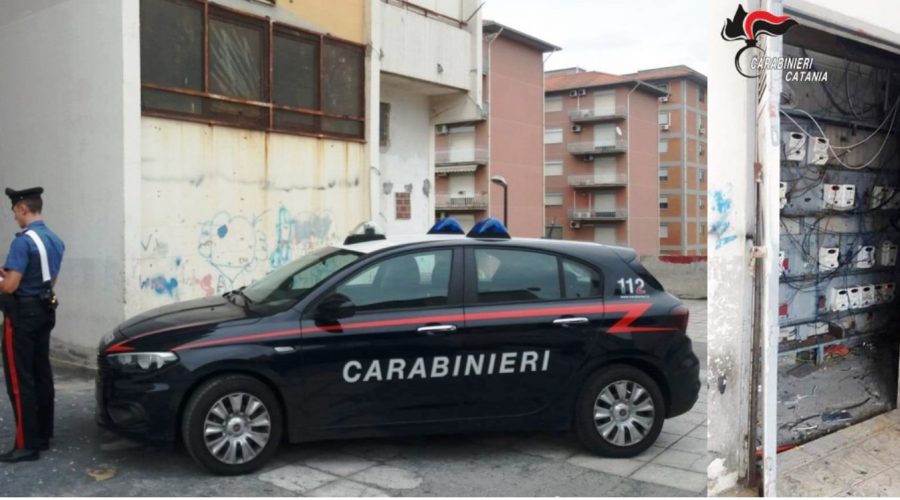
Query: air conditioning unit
664, 126
443, 129
701, 130
589, 158
576, 128
664, 98
574, 224
582, 92
573, 93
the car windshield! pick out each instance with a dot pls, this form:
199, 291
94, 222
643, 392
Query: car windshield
286, 285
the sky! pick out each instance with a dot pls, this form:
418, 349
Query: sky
613, 36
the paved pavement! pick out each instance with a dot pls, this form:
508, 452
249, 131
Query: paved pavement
86, 460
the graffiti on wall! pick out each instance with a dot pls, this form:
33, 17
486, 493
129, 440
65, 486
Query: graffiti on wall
722, 208
231, 250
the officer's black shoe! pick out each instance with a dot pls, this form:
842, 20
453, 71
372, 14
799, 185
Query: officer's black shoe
20, 455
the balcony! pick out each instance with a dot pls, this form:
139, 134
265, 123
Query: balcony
460, 202
590, 215
589, 148
592, 181
476, 156
594, 116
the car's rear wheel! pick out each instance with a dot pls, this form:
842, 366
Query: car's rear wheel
232, 425
619, 412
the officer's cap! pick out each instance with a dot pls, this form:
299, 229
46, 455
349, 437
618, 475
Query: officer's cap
17, 196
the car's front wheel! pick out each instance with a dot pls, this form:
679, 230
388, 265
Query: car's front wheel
619, 412
232, 424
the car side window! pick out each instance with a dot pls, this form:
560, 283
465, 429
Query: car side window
406, 281
516, 275
581, 282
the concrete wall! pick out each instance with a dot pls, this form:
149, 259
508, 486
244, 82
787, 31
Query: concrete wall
65, 96
516, 124
407, 164
683, 277
222, 206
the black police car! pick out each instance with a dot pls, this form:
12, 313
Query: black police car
380, 337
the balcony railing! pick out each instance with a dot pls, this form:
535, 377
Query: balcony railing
587, 214
450, 156
595, 116
460, 202
592, 181
590, 148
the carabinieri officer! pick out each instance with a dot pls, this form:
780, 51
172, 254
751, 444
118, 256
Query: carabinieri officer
28, 276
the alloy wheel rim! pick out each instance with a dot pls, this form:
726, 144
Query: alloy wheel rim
624, 413
237, 428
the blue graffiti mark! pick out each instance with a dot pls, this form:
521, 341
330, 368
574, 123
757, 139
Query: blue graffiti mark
284, 229
232, 245
177, 261
161, 285
721, 227
293, 232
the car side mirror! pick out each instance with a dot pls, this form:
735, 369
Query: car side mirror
335, 306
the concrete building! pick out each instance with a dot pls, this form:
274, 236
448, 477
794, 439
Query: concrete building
682, 159
507, 142
601, 162
429, 61
189, 147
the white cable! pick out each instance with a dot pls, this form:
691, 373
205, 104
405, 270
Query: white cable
891, 115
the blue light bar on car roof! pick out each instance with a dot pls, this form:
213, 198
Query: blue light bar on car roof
447, 225
489, 228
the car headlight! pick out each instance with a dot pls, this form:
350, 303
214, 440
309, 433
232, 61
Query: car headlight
142, 361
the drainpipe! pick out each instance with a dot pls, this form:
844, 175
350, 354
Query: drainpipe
628, 164
490, 124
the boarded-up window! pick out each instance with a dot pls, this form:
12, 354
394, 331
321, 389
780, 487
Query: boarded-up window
384, 124
252, 72
402, 209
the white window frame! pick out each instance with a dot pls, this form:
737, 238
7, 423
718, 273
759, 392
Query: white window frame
664, 117
663, 200
663, 231
663, 173
553, 103
550, 199
663, 145
554, 164
555, 136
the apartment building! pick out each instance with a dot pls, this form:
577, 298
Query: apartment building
601, 163
507, 142
682, 159
601, 186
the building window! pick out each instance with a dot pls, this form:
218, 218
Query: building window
701, 94
701, 203
553, 199
554, 232
402, 210
664, 87
701, 172
554, 167
204, 63
663, 173
553, 103
663, 146
663, 118
553, 136
384, 126
663, 202
663, 231
701, 150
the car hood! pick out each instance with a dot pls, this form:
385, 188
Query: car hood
183, 314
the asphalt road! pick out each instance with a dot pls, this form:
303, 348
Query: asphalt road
86, 460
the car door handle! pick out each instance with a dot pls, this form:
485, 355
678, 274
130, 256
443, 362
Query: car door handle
436, 328
578, 320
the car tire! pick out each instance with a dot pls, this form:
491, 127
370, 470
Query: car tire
232, 425
614, 425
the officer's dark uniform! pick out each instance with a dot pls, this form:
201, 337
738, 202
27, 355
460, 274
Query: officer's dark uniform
28, 320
